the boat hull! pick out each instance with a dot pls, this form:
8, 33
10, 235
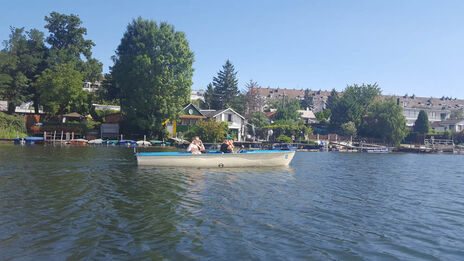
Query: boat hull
217, 160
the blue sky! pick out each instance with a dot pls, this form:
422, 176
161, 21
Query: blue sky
406, 46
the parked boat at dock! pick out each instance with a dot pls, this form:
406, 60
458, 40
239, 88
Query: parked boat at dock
214, 159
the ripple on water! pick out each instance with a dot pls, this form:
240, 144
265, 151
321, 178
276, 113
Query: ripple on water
80, 203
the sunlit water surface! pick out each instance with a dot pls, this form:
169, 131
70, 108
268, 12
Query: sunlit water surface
73, 203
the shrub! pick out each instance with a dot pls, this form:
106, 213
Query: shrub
284, 139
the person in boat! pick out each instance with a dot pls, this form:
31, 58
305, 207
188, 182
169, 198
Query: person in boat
226, 147
196, 146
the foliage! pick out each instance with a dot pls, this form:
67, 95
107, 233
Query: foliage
456, 115
323, 116
385, 121
258, 120
108, 93
17, 123
254, 102
287, 109
332, 99
60, 90
299, 131
237, 103
99, 115
208, 131
67, 44
353, 104
422, 124
458, 137
349, 129
284, 139
209, 96
307, 101
20, 61
225, 86
153, 73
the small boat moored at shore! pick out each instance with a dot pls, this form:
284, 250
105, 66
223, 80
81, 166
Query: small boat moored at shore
214, 159
28, 140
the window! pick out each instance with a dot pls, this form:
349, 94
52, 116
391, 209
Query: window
229, 117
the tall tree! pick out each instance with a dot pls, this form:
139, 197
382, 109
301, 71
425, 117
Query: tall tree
422, 124
307, 101
385, 121
225, 86
61, 90
21, 61
153, 72
353, 104
254, 101
287, 110
332, 99
67, 44
209, 96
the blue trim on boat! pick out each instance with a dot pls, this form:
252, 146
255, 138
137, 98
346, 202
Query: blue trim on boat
209, 153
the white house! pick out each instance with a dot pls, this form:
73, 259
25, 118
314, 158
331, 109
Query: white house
434, 115
307, 116
453, 125
235, 121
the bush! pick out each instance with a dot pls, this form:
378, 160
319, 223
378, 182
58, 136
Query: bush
284, 139
10, 125
208, 131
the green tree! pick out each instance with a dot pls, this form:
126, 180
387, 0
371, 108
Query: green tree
67, 44
225, 86
209, 96
385, 121
258, 121
108, 93
353, 104
209, 131
307, 101
422, 124
332, 99
349, 129
21, 61
237, 103
60, 90
153, 73
287, 110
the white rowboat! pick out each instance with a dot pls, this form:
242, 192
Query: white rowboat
254, 158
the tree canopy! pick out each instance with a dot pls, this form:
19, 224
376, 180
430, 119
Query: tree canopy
153, 73
353, 104
307, 101
385, 121
21, 61
422, 124
225, 87
60, 90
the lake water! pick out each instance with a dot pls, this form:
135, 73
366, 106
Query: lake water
73, 203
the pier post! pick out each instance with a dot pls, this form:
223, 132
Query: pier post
17, 134
61, 136
54, 136
45, 135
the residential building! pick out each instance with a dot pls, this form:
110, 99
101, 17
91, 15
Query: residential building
3, 105
91, 86
235, 121
190, 116
434, 115
197, 95
453, 125
307, 116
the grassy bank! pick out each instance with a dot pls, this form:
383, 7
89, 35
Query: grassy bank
10, 125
